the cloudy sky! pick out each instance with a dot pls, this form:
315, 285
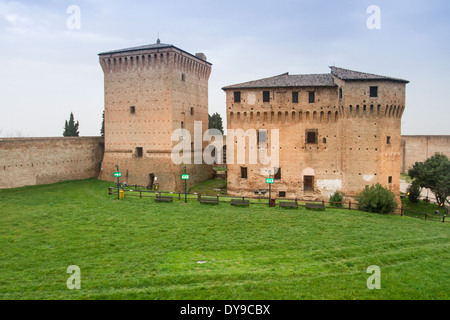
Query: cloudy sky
49, 70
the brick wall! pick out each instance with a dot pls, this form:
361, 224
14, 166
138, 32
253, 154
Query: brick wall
35, 161
420, 148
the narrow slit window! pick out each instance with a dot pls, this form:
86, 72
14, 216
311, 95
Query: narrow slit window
312, 97
237, 97
243, 173
139, 152
278, 174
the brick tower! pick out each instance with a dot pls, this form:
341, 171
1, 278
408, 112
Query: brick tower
150, 91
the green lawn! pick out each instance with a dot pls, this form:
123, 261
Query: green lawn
136, 249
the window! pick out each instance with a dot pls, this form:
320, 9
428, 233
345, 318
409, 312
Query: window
294, 97
262, 137
237, 97
374, 92
340, 93
182, 125
312, 97
282, 194
243, 173
132, 110
388, 140
278, 174
192, 111
139, 152
311, 136
183, 77
390, 180
324, 140
266, 96
308, 182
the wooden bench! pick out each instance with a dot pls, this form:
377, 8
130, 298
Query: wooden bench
315, 205
240, 202
209, 200
288, 204
163, 199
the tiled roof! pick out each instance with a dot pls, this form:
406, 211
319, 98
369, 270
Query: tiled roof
146, 47
157, 45
349, 75
285, 80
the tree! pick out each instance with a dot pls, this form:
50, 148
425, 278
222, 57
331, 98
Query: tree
434, 174
102, 129
215, 122
376, 198
71, 128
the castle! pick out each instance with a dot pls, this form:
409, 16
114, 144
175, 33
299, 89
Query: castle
150, 91
337, 131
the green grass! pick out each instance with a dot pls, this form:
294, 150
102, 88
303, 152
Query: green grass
137, 249
207, 187
405, 177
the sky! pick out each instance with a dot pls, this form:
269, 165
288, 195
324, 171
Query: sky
49, 52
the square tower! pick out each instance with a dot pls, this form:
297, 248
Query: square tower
150, 91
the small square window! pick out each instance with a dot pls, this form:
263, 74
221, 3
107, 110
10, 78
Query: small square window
282, 194
132, 110
237, 97
294, 97
311, 136
312, 97
266, 96
243, 173
373, 92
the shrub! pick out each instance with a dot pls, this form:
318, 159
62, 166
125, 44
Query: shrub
376, 199
336, 200
414, 191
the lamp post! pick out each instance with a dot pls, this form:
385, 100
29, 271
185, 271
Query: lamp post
118, 183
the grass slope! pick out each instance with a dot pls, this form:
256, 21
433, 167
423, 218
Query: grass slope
136, 249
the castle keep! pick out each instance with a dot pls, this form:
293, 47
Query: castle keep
150, 91
337, 131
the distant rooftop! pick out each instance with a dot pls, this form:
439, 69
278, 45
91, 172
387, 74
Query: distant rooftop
349, 75
310, 80
157, 45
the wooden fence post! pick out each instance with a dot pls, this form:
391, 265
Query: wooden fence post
401, 212
350, 205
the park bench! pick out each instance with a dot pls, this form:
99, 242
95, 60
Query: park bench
315, 205
288, 204
240, 202
163, 199
209, 200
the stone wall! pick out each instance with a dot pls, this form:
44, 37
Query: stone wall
420, 148
35, 161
